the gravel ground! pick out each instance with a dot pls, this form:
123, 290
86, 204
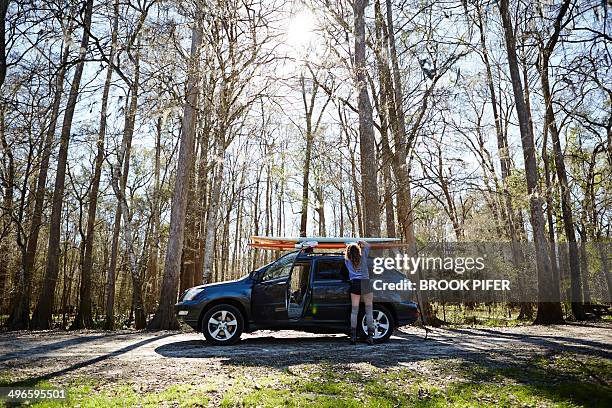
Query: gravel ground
154, 360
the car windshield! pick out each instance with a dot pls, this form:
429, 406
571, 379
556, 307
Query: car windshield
260, 269
279, 269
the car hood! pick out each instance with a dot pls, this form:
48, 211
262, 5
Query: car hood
219, 285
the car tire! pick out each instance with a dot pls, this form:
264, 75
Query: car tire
222, 325
384, 323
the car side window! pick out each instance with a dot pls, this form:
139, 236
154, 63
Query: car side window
331, 270
280, 269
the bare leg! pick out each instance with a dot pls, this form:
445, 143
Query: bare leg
354, 309
368, 300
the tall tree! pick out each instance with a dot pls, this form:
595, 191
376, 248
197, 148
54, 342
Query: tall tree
120, 176
312, 127
397, 120
84, 317
367, 143
549, 310
41, 319
546, 51
20, 310
5, 219
165, 318
503, 152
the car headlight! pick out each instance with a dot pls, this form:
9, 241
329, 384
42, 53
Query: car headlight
192, 293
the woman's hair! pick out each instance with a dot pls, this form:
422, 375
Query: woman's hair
353, 254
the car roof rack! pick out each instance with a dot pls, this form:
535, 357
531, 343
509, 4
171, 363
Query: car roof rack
322, 254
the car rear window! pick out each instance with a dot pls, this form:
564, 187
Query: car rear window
331, 270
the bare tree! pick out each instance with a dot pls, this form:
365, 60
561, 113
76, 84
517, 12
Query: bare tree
367, 143
546, 51
164, 318
41, 319
549, 311
84, 316
312, 127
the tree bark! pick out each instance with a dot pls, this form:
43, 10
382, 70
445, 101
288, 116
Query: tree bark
566, 207
111, 272
20, 311
153, 257
213, 213
165, 318
84, 317
549, 310
120, 177
383, 107
312, 127
397, 118
41, 319
7, 214
584, 270
367, 143
503, 149
307, 157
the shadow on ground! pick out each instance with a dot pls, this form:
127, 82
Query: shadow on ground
473, 344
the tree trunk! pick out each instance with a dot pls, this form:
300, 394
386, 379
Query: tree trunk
566, 207
188, 263
367, 143
165, 318
111, 272
41, 319
405, 216
305, 171
213, 213
397, 119
321, 211
120, 177
355, 216
383, 108
84, 317
20, 311
549, 309
526, 311
311, 129
153, 257
7, 214
549, 209
584, 270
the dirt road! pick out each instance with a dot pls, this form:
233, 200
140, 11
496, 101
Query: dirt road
152, 359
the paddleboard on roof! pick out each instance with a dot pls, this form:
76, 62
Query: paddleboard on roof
321, 242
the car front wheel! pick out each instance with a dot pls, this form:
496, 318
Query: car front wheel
222, 325
384, 324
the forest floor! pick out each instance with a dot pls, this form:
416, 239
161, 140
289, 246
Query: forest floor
569, 365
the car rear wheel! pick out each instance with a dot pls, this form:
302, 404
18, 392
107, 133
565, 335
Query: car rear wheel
222, 325
384, 324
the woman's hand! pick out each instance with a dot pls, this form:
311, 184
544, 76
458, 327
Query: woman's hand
362, 243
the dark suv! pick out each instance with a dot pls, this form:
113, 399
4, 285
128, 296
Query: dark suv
299, 291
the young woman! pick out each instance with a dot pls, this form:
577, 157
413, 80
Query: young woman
356, 260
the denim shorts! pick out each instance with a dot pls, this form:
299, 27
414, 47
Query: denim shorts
361, 286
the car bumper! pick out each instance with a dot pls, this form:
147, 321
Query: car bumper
188, 313
407, 313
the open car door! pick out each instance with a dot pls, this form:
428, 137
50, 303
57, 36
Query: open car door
269, 298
